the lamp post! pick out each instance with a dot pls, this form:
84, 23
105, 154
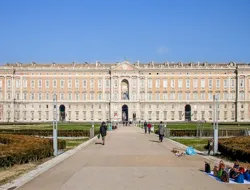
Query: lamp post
215, 124
55, 124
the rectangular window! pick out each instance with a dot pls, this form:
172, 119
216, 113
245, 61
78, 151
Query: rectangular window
242, 115
99, 83
24, 115
39, 83
157, 83
77, 115
92, 96
180, 115
62, 83
107, 94
142, 83
149, 96
47, 115
84, 96
225, 115
225, 95
99, 96
202, 83
84, 83
232, 115
157, 96
32, 115
39, 96
17, 96
195, 83
203, 115
76, 96
172, 96
54, 83
142, 115
195, 96
150, 115
188, 96
241, 83
149, 83
157, 115
232, 83
142, 96
25, 96
84, 115
32, 96
25, 83
115, 83
17, 83
203, 95
115, 96
32, 84
179, 83
69, 96
107, 83
99, 115
165, 83
92, 115
165, 95
195, 115
61, 96
172, 83
165, 115
39, 115
47, 84
242, 95
210, 115
134, 83
172, 115
179, 95
9, 83
210, 83
187, 83
217, 83
77, 83
225, 83
47, 96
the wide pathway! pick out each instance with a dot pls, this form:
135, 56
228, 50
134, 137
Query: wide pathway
129, 160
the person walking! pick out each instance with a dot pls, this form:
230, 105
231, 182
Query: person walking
103, 132
145, 126
149, 128
210, 146
161, 131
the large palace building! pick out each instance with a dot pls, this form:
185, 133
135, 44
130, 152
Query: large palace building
168, 92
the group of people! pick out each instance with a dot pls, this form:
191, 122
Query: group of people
161, 130
223, 172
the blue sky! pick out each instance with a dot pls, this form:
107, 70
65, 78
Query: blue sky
111, 30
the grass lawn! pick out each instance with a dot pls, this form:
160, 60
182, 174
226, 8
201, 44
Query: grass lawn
71, 143
197, 143
193, 126
46, 126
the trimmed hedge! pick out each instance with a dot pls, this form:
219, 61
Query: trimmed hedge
237, 148
48, 133
20, 149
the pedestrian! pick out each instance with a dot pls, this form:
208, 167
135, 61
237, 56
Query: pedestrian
161, 131
149, 128
210, 146
103, 132
145, 126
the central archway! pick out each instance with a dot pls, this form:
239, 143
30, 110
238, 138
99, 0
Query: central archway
124, 113
62, 113
187, 112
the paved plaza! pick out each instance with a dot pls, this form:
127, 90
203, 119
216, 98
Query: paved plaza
129, 160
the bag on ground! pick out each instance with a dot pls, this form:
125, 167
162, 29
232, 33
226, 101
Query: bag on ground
190, 151
207, 168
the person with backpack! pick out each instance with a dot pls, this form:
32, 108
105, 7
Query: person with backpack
161, 131
103, 132
145, 127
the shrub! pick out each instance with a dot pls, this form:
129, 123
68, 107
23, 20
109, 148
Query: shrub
236, 147
19, 149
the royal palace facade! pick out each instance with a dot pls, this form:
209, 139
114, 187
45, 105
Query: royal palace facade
94, 92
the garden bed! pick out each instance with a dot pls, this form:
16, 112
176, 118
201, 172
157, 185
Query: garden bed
20, 149
237, 148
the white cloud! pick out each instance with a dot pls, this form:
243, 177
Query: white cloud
162, 50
